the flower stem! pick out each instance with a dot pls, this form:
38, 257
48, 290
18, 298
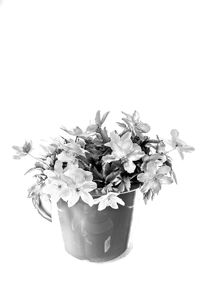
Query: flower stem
169, 151
154, 141
38, 159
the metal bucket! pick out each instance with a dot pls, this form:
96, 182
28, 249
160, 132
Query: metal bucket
95, 235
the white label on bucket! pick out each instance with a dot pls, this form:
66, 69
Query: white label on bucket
88, 241
129, 206
73, 225
107, 244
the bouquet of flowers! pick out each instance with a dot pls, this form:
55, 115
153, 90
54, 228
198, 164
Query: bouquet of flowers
95, 167
89, 177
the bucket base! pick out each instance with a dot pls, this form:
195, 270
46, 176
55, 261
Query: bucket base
117, 255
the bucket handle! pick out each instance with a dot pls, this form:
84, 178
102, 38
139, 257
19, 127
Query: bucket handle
38, 205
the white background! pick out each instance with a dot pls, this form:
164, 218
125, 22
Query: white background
62, 60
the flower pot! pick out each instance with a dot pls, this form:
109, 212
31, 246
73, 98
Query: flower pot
96, 235
90, 234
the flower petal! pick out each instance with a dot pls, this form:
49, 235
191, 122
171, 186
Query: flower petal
174, 133
75, 148
156, 186
88, 175
102, 204
180, 151
143, 177
172, 143
58, 167
143, 127
136, 116
134, 156
78, 175
165, 180
66, 195
126, 137
120, 201
65, 157
49, 188
50, 173
114, 139
55, 197
109, 158
153, 166
87, 198
153, 185
163, 170
69, 181
129, 166
146, 186
73, 198
187, 148
89, 186
113, 204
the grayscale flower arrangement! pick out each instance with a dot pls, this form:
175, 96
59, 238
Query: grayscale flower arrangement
95, 168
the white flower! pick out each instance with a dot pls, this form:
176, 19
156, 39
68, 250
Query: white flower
80, 186
22, 151
74, 147
77, 131
157, 157
124, 149
135, 124
110, 199
56, 184
178, 144
161, 147
70, 184
69, 153
154, 176
57, 173
67, 157
51, 148
56, 189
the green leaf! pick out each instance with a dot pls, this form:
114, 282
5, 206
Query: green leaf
112, 176
96, 173
174, 176
44, 148
39, 165
127, 183
98, 118
91, 128
122, 125
104, 135
33, 169
104, 117
127, 115
121, 187
107, 188
126, 121
17, 148
117, 180
17, 157
106, 169
83, 164
27, 147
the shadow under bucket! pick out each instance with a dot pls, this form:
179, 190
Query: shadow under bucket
94, 235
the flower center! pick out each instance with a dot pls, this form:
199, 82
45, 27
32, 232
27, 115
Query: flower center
124, 159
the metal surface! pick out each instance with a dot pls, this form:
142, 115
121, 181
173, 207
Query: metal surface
90, 234
94, 235
43, 209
